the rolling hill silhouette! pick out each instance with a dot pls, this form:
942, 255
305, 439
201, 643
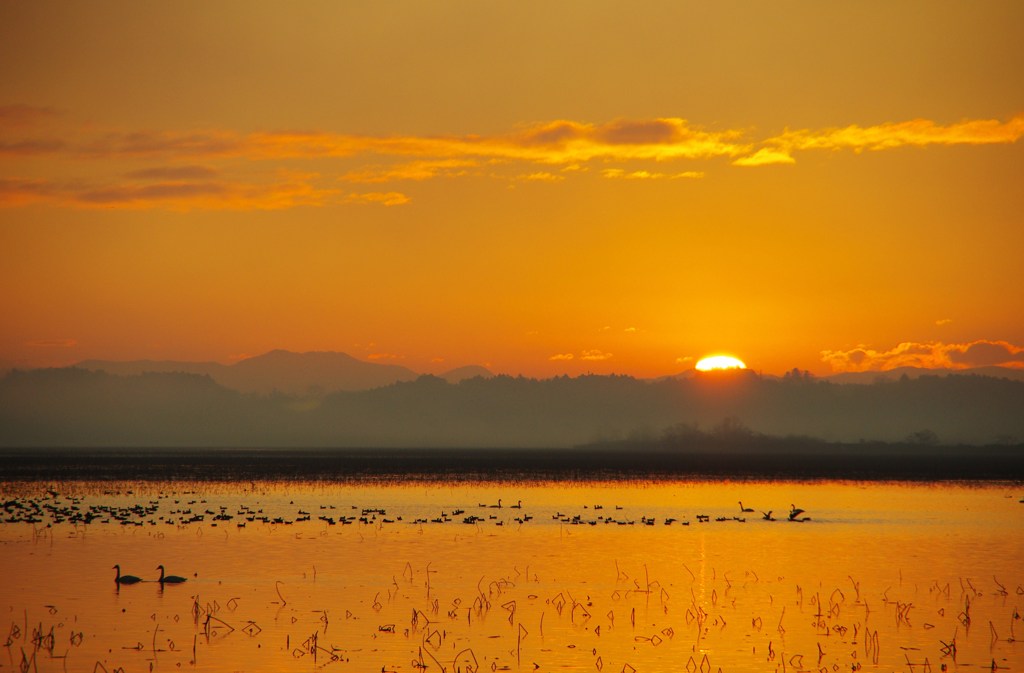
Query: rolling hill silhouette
78, 407
313, 373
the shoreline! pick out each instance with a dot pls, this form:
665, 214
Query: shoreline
596, 462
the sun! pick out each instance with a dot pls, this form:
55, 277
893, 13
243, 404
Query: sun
720, 362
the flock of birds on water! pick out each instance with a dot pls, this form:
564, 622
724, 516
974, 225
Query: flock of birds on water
52, 510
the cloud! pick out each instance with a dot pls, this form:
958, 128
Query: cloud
988, 353
383, 198
16, 115
765, 157
618, 173
286, 192
943, 321
559, 142
416, 170
127, 195
649, 132
561, 357
916, 132
22, 191
570, 142
595, 355
174, 173
541, 176
566, 142
52, 343
890, 135
207, 195
25, 148
167, 144
198, 168
930, 355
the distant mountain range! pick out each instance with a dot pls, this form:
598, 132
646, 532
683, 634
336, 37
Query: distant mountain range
314, 373
76, 406
1016, 374
874, 376
321, 372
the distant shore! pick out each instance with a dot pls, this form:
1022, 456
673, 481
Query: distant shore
611, 461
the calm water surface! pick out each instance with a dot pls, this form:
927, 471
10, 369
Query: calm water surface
666, 576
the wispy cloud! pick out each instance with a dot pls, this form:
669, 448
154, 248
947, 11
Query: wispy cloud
166, 144
930, 355
592, 355
541, 176
181, 192
31, 147
52, 343
174, 173
595, 355
916, 132
286, 192
766, 156
559, 142
416, 170
912, 133
382, 198
23, 191
619, 173
19, 115
224, 168
987, 353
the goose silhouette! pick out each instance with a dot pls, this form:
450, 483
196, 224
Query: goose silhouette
124, 579
168, 579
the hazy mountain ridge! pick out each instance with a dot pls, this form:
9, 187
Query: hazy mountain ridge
317, 373
1015, 373
76, 407
312, 373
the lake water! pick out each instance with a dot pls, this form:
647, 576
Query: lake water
578, 576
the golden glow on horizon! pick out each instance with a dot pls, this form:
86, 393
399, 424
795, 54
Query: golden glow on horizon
720, 362
452, 197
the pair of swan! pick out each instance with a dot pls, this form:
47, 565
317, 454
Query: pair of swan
132, 579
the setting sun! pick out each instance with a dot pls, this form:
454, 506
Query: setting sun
720, 362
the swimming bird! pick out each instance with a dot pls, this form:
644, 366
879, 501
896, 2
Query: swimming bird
745, 509
795, 512
124, 579
768, 515
169, 579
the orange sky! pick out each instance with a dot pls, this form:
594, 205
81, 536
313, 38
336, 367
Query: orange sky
542, 188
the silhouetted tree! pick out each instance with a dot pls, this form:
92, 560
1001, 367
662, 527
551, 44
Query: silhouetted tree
923, 437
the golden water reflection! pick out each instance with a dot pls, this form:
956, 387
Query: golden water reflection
585, 577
